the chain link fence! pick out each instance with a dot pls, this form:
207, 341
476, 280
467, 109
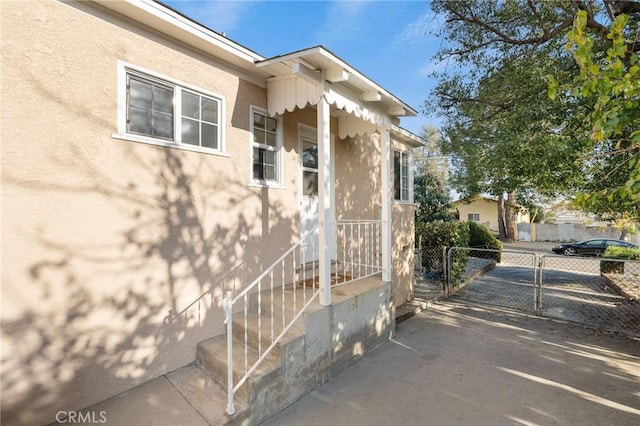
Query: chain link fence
430, 272
596, 292
494, 277
591, 291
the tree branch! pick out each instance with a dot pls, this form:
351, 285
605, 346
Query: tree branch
503, 37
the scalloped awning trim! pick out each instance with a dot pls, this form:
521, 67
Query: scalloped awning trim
287, 94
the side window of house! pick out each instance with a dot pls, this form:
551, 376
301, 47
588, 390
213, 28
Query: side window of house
401, 176
165, 112
473, 217
266, 143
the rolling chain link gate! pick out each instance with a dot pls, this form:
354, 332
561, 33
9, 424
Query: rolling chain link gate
494, 277
592, 291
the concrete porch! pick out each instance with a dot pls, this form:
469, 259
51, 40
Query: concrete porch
324, 342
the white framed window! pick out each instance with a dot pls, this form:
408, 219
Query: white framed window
159, 110
266, 152
402, 176
473, 217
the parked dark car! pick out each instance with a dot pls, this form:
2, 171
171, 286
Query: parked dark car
593, 247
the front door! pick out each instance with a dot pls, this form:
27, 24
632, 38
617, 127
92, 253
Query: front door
309, 191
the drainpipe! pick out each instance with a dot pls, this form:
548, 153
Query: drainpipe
385, 146
325, 221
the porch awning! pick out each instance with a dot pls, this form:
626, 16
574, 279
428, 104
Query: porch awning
301, 78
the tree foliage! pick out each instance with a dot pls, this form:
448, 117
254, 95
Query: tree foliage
429, 159
432, 199
612, 78
436, 235
481, 237
431, 191
505, 133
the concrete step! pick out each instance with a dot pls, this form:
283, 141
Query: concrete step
288, 299
313, 267
291, 297
211, 356
307, 273
248, 328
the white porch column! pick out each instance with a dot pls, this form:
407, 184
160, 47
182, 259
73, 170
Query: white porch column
385, 147
324, 203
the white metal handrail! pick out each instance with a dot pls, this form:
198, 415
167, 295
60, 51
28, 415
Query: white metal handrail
290, 271
358, 255
359, 250
230, 276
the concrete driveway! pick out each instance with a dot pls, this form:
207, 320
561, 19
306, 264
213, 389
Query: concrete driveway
465, 364
572, 289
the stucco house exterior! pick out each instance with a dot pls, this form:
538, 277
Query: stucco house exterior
484, 210
151, 167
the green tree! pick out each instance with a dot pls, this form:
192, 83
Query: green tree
506, 135
429, 159
510, 148
611, 77
626, 225
431, 190
432, 199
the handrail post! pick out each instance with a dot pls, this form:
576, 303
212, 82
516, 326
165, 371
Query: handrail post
228, 311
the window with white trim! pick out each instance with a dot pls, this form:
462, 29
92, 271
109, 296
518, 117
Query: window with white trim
402, 176
473, 217
266, 142
165, 112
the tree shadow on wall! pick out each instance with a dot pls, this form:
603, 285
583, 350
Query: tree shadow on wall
358, 177
106, 311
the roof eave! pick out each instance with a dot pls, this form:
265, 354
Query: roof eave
407, 137
305, 57
170, 22
182, 28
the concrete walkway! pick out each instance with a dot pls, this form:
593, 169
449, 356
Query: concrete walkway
460, 364
452, 364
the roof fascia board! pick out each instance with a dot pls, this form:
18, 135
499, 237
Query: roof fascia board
165, 20
298, 54
406, 137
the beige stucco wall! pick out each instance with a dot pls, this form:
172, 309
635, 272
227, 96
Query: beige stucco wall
358, 196
403, 243
488, 211
358, 178
403, 239
106, 242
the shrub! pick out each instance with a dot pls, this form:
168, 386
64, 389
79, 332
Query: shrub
436, 235
615, 252
481, 237
445, 234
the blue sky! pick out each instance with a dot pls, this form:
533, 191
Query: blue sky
388, 41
